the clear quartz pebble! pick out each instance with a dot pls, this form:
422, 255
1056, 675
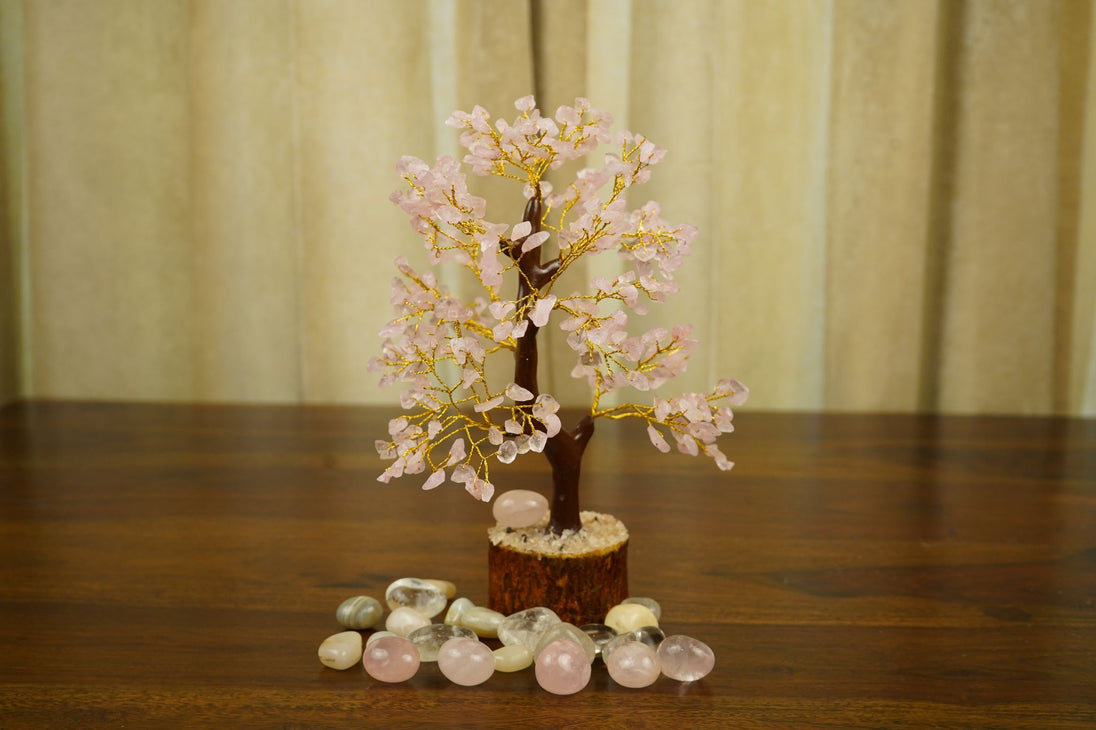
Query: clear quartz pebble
562, 668
341, 650
421, 595
564, 630
600, 634
466, 661
617, 641
634, 664
404, 620
519, 508
359, 612
429, 639
525, 627
512, 658
626, 617
391, 659
457, 609
446, 587
377, 635
650, 603
685, 658
652, 636
483, 621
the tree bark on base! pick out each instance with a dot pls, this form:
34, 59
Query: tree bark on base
580, 588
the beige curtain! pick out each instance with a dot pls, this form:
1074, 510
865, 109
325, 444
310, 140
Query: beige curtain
897, 198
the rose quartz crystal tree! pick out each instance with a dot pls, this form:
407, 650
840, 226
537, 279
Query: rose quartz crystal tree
439, 347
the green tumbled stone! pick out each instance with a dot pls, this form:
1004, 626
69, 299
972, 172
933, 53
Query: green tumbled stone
359, 612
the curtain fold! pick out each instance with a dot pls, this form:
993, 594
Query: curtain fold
881, 188
893, 199
12, 195
897, 200
244, 217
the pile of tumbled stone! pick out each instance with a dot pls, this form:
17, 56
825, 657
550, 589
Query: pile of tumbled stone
630, 643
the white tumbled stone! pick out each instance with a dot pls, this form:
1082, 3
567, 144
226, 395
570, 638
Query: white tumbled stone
626, 617
403, 620
481, 620
456, 610
512, 658
650, 603
342, 650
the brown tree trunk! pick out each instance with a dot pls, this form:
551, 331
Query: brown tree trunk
564, 453
564, 450
580, 588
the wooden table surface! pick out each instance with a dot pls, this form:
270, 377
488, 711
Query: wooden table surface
178, 565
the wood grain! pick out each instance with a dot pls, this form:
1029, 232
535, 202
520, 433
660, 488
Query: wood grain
579, 588
178, 565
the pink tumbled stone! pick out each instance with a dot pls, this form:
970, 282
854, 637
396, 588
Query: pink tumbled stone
634, 664
684, 658
519, 508
391, 659
562, 667
466, 662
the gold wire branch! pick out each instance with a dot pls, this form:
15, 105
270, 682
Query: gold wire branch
456, 402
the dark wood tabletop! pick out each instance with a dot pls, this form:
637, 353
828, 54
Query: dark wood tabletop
178, 565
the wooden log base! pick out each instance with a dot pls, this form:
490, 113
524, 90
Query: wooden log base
580, 587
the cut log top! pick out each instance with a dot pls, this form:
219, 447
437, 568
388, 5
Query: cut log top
599, 533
